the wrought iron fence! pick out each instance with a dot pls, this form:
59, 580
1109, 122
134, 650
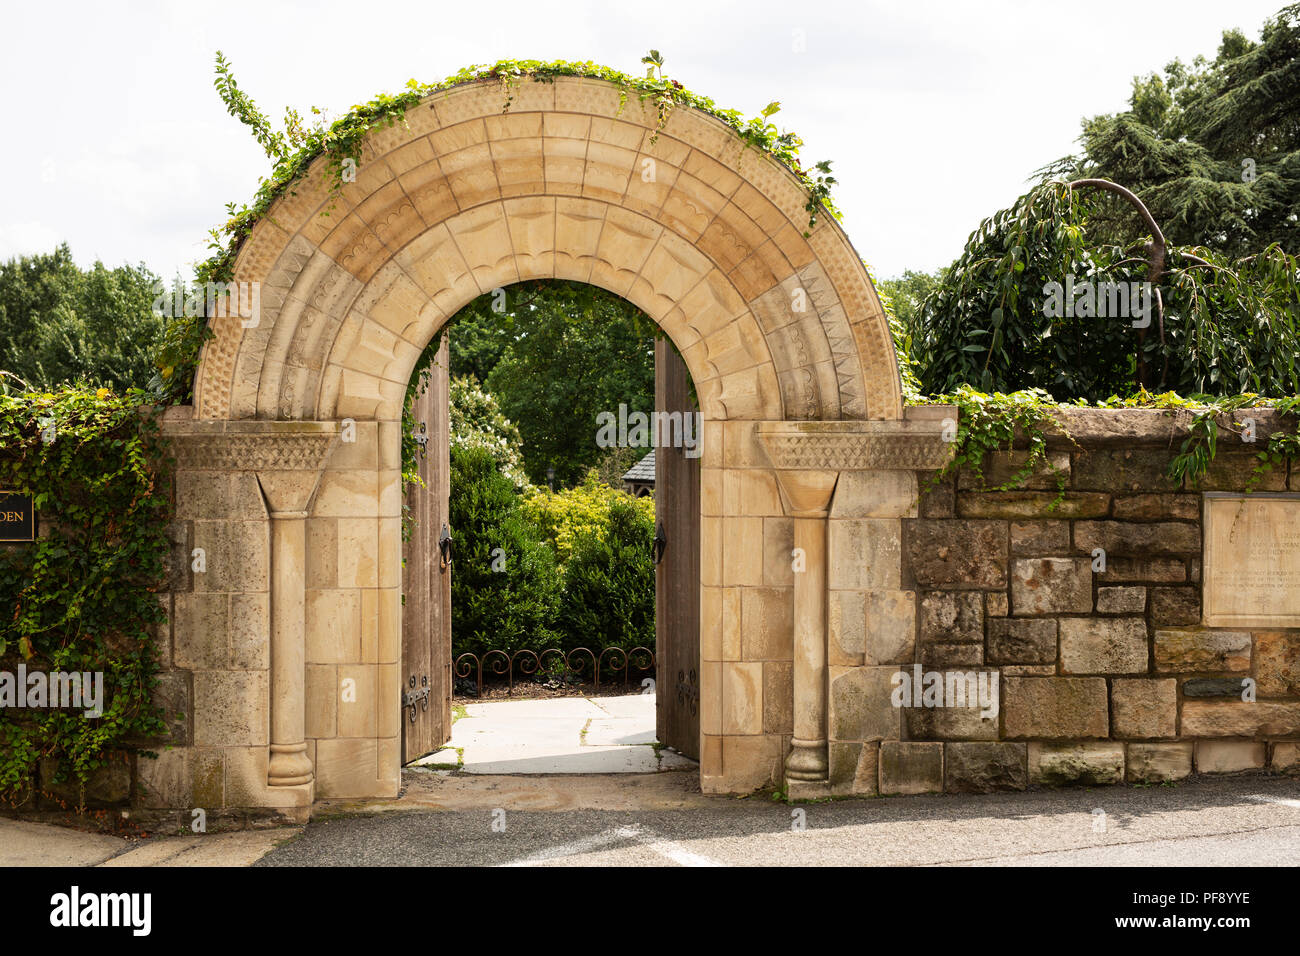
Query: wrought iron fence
526, 663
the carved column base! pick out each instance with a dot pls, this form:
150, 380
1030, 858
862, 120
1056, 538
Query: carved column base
807, 760
289, 766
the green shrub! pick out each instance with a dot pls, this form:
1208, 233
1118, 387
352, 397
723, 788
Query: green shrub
502, 599
609, 583
563, 516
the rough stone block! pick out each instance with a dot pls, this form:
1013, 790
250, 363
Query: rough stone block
107, 786
864, 553
1277, 664
1104, 645
1284, 756
861, 708
1159, 763
1231, 687
1031, 504
1121, 600
1144, 708
952, 655
1001, 466
985, 767
854, 768
950, 723
1157, 507
1233, 470
952, 617
1202, 650
958, 554
1239, 718
997, 604
1016, 641
1122, 469
907, 768
1055, 707
1092, 764
1172, 607
1051, 585
938, 500
1040, 537
1121, 569
1122, 537
1229, 756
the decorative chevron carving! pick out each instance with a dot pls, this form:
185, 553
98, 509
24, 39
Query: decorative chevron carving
303, 449
855, 445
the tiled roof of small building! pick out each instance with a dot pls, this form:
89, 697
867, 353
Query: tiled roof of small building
643, 470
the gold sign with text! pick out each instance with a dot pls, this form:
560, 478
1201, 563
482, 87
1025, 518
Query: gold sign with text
17, 517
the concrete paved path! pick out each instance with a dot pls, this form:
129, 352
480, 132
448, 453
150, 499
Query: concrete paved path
1238, 821
40, 844
663, 820
560, 735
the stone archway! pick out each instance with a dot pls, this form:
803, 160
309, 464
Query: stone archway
703, 234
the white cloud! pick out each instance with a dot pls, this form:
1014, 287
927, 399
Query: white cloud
934, 114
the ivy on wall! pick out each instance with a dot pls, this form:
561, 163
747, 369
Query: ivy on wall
83, 596
995, 421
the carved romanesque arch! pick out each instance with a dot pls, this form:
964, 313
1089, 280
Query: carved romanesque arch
783, 334
701, 232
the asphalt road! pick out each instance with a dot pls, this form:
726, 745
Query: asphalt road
1246, 821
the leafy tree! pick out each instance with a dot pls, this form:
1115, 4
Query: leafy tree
477, 422
554, 354
59, 323
906, 293
1216, 325
1211, 148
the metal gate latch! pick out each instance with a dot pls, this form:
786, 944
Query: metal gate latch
444, 548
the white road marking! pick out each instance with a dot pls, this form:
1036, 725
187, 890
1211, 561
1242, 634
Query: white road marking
1282, 800
679, 854
645, 838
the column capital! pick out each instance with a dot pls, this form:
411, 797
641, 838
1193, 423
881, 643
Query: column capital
807, 494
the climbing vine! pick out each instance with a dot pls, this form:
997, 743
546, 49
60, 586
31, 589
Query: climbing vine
294, 149
83, 596
991, 422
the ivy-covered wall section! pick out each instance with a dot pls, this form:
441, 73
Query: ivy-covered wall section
85, 596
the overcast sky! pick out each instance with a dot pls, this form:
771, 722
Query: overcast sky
934, 114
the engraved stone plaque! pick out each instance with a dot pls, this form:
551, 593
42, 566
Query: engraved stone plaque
1252, 560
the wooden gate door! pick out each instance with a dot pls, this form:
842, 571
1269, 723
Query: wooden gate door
677, 576
426, 582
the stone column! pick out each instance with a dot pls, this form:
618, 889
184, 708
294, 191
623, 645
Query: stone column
807, 497
808, 457
288, 494
288, 458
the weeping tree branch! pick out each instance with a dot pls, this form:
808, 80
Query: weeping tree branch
1157, 255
